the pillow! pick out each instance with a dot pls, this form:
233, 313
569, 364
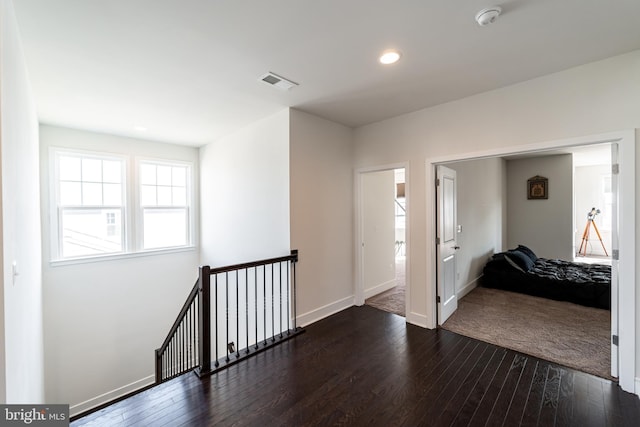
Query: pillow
528, 252
519, 260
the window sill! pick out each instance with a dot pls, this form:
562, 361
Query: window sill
120, 256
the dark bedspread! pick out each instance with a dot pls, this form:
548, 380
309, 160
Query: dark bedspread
585, 284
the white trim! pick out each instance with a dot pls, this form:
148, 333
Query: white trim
626, 296
637, 389
468, 287
81, 407
378, 289
324, 311
417, 319
120, 256
359, 296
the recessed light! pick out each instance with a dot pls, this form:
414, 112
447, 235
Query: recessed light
140, 128
389, 57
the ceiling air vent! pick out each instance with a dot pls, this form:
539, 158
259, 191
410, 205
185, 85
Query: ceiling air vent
277, 81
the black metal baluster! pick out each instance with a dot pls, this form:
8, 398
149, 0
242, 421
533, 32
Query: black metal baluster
273, 331
226, 283
183, 345
280, 297
196, 336
191, 336
264, 302
237, 314
255, 302
293, 289
246, 306
288, 302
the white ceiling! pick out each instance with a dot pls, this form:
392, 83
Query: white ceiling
188, 70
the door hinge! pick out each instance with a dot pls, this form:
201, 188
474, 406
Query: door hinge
615, 168
615, 254
614, 339
437, 182
437, 240
438, 299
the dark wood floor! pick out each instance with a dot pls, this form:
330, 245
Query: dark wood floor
365, 367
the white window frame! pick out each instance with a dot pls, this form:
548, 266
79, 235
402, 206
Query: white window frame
139, 215
56, 207
132, 211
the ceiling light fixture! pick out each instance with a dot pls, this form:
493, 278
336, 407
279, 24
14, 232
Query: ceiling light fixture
488, 15
389, 57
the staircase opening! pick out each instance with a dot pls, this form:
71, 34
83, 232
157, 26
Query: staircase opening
231, 313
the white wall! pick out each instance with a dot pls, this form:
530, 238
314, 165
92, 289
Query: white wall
594, 98
322, 215
378, 232
588, 193
245, 194
545, 225
482, 216
21, 330
104, 319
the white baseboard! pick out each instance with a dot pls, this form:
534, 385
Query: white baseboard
468, 287
325, 311
368, 293
110, 395
417, 319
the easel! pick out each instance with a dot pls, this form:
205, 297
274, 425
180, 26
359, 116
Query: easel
585, 236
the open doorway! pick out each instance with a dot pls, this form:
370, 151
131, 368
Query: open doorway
601, 191
593, 199
383, 246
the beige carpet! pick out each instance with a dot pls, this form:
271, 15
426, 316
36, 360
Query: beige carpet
392, 300
558, 331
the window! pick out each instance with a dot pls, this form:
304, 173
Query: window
90, 189
90, 203
164, 205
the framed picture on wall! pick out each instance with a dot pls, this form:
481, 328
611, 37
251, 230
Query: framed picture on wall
537, 188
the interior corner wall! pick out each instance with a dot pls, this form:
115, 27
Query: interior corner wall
544, 225
591, 99
589, 193
378, 231
245, 194
481, 216
322, 210
22, 356
103, 319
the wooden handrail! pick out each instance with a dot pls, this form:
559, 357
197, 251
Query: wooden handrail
183, 311
293, 257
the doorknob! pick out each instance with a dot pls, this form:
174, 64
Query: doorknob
456, 247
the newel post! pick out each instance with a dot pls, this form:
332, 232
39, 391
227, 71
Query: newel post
204, 321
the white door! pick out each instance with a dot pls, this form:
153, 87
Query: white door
614, 262
446, 242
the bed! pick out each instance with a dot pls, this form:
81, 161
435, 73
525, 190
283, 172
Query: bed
520, 270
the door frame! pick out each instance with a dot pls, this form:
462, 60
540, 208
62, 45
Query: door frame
626, 230
359, 253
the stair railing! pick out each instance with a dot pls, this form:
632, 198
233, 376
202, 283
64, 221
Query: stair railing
179, 351
249, 308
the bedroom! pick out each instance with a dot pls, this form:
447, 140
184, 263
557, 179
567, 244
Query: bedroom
495, 215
